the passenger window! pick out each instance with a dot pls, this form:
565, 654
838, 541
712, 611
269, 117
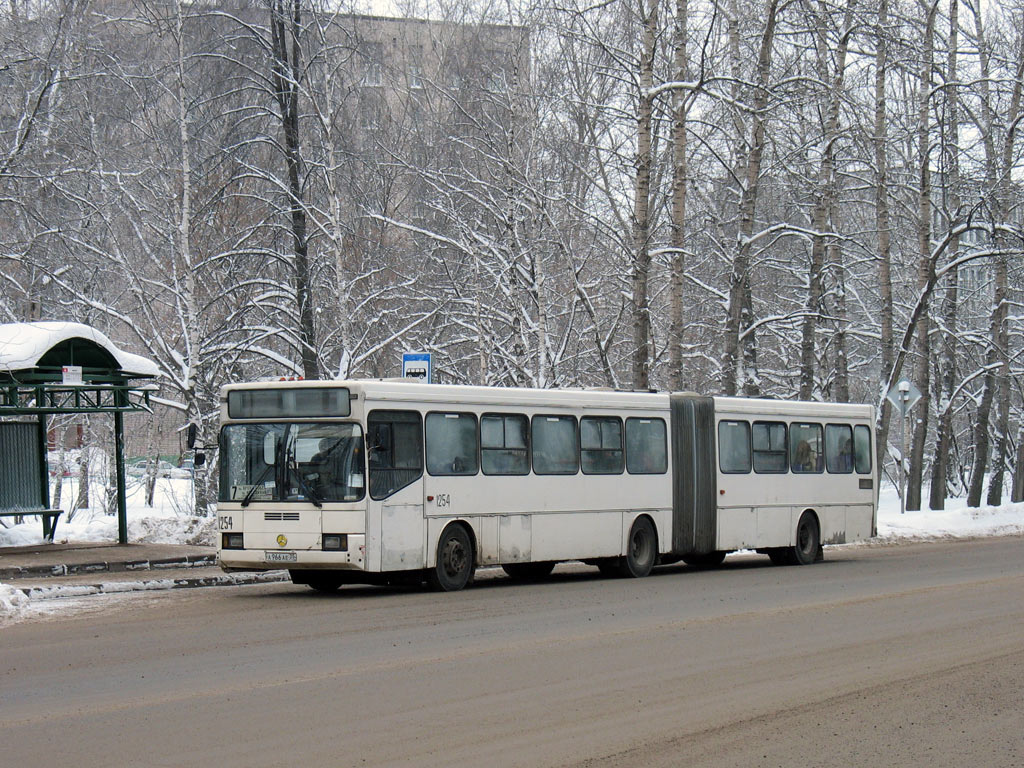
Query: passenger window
838, 448
601, 445
503, 444
554, 445
394, 442
734, 446
768, 440
862, 449
646, 452
805, 448
451, 444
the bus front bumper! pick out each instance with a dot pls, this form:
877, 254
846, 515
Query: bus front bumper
253, 559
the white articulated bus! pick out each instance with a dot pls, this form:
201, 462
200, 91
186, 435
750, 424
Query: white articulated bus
379, 481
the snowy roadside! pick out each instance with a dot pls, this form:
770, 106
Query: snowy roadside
955, 522
168, 522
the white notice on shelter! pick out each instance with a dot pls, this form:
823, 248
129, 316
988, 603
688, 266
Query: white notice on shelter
72, 374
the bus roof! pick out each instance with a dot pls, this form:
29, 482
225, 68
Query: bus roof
411, 390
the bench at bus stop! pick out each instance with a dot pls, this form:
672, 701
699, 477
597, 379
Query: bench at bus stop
49, 518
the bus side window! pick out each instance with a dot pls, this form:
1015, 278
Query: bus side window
646, 451
451, 444
394, 442
769, 443
555, 445
601, 445
805, 444
838, 448
734, 446
503, 444
862, 449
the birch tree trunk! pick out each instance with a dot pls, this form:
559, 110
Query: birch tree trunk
739, 319
1004, 195
880, 142
287, 74
926, 265
641, 202
998, 166
680, 100
948, 366
825, 194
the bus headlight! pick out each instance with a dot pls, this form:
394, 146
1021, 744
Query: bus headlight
337, 542
232, 541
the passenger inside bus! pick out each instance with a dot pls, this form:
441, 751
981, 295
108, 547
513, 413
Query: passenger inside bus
806, 460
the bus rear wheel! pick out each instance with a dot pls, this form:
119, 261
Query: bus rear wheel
641, 550
528, 571
808, 542
454, 567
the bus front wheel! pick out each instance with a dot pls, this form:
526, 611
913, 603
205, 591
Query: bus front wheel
641, 550
454, 567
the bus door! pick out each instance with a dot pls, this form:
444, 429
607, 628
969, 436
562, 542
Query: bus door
395, 526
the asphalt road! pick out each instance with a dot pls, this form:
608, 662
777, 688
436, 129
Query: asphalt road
907, 655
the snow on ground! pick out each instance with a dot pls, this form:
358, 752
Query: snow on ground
957, 520
170, 521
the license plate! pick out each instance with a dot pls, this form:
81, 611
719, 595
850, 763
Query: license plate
282, 557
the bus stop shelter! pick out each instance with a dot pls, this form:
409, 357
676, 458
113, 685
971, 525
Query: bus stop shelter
51, 368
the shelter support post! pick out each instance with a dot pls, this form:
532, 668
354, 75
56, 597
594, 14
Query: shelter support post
44, 471
122, 504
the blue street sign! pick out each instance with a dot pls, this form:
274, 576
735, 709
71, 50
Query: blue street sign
417, 365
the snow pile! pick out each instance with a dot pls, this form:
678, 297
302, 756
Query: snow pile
13, 602
957, 520
168, 521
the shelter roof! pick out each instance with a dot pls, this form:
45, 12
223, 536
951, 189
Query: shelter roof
24, 346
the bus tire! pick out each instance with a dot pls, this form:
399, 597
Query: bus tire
454, 567
528, 571
707, 560
641, 550
808, 540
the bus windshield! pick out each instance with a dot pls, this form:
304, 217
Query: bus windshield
315, 462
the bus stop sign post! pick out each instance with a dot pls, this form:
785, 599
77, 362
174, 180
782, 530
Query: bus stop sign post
904, 395
417, 365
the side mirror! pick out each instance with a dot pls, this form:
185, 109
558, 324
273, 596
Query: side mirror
198, 459
190, 436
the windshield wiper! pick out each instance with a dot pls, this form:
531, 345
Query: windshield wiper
293, 465
256, 485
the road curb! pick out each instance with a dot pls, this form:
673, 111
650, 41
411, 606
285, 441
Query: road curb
114, 566
120, 587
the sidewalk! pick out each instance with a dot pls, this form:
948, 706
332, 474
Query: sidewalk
47, 571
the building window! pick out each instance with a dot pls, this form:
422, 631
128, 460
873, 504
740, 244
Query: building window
373, 64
